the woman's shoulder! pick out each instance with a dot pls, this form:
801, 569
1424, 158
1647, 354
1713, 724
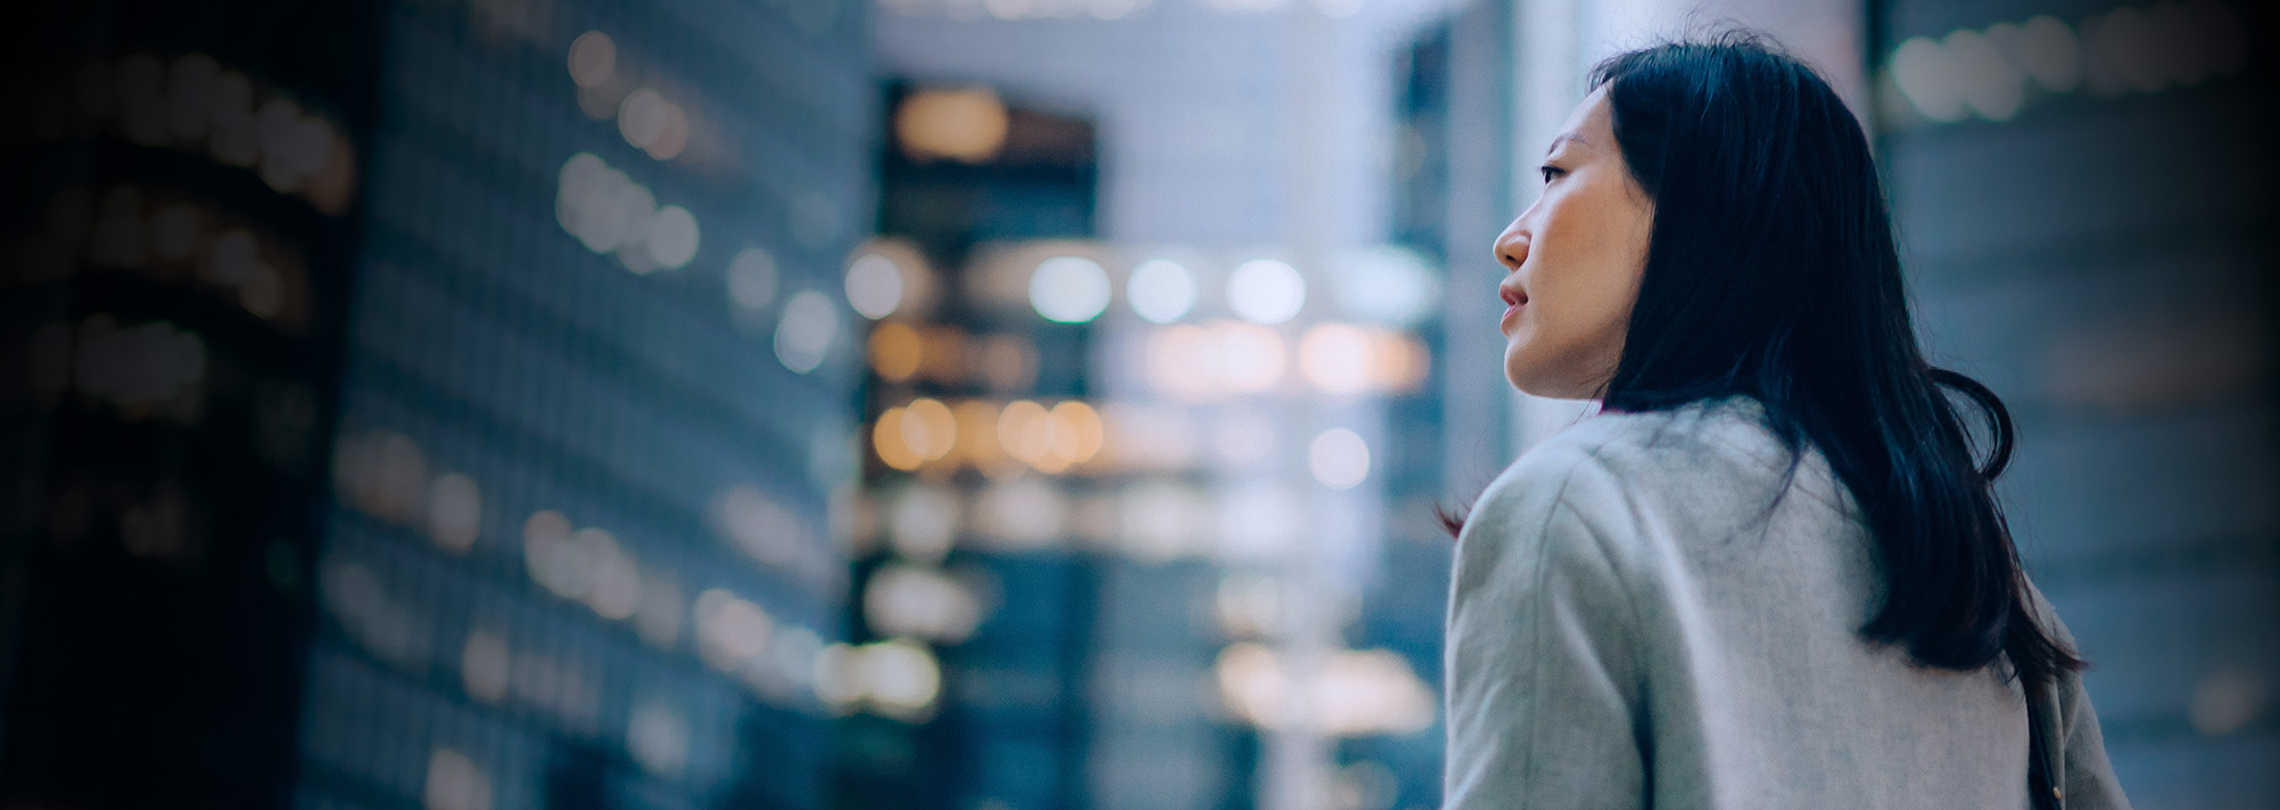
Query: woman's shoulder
1568, 470
1698, 459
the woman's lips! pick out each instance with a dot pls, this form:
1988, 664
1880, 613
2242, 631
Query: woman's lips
1513, 301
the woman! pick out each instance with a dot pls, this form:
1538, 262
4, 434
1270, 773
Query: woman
1767, 574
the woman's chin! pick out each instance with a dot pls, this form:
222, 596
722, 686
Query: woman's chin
1524, 376
1537, 381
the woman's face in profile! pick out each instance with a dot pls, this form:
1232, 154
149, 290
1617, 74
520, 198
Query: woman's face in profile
1573, 262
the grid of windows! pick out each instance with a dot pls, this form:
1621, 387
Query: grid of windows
2109, 302
580, 550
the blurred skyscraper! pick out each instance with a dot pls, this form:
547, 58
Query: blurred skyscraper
2083, 191
181, 184
1128, 496
1450, 177
570, 272
992, 618
594, 410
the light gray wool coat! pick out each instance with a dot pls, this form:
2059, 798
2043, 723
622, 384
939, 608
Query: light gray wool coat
1629, 627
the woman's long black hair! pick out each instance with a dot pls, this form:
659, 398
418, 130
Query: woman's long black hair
1772, 271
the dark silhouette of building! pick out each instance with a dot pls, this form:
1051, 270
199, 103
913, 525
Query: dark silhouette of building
432, 404
2123, 309
181, 200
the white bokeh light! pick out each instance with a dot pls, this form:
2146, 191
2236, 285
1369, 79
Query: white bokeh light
1266, 291
455, 511
1160, 291
804, 335
1069, 289
921, 521
593, 59
902, 677
903, 599
658, 738
730, 629
1338, 458
616, 581
643, 117
1259, 521
672, 238
1387, 285
1248, 358
1336, 357
455, 782
1023, 513
484, 664
1158, 520
1991, 85
2049, 52
752, 279
608, 212
874, 286
1925, 75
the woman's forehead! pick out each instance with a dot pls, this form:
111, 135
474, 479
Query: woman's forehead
1588, 124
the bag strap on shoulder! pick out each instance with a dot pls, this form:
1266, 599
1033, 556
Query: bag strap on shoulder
2045, 751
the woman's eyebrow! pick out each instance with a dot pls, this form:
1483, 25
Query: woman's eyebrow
1565, 137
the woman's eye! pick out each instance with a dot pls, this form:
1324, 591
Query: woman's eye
1550, 172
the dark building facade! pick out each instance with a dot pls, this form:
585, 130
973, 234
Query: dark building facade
182, 186
592, 421
2122, 306
439, 404
1008, 722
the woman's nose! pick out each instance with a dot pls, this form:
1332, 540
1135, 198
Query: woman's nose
1511, 250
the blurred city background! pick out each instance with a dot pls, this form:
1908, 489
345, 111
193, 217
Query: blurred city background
984, 404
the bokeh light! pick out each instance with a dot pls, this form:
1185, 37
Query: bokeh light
1338, 458
751, 279
484, 664
593, 59
1266, 291
907, 600
1387, 285
895, 351
1337, 358
922, 522
658, 738
967, 124
731, 630
455, 511
804, 335
1024, 430
455, 782
672, 237
1069, 289
1160, 291
889, 440
874, 286
902, 677
928, 429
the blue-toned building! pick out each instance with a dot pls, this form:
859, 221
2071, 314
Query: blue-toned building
436, 404
1010, 723
594, 410
2121, 305
181, 182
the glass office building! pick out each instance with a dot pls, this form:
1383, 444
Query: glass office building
594, 405
437, 404
182, 185
2122, 308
